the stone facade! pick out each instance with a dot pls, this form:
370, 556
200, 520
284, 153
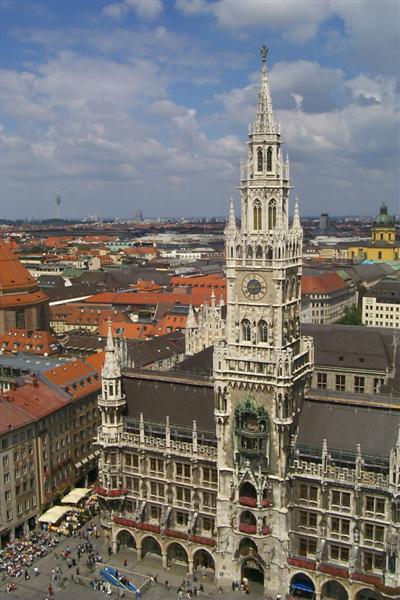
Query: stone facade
204, 327
240, 477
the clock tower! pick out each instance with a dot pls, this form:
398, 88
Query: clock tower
262, 366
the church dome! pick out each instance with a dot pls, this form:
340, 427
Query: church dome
383, 219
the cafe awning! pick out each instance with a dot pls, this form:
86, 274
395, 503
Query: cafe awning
54, 514
76, 495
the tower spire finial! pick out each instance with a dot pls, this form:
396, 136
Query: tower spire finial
264, 122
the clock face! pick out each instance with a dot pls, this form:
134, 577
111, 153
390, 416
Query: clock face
254, 287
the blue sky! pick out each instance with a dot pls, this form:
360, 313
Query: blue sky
145, 104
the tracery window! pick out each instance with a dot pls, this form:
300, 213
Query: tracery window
269, 159
259, 159
262, 331
246, 330
257, 215
272, 214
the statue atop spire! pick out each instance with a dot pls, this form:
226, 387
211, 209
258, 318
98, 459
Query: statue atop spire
111, 367
264, 122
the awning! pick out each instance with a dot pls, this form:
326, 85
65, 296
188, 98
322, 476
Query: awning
76, 495
54, 514
304, 587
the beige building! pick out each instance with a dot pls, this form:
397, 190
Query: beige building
381, 305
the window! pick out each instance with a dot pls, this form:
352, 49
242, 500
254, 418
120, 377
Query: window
155, 512
340, 527
132, 461
321, 381
374, 534
6, 477
210, 476
307, 520
373, 561
259, 159
157, 490
7, 495
269, 159
246, 330
182, 518
257, 215
183, 471
208, 524
359, 384
308, 493
340, 500
19, 509
377, 384
5, 461
272, 214
157, 466
340, 383
307, 547
20, 319
9, 514
183, 495
339, 553
374, 505
209, 500
262, 331
132, 484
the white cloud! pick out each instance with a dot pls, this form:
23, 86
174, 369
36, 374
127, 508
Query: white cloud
145, 9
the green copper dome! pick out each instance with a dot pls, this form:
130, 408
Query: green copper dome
383, 219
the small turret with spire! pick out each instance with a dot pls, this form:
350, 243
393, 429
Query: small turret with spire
112, 401
264, 122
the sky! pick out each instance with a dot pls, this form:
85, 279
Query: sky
145, 104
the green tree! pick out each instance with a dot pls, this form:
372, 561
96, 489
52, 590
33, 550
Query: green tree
352, 316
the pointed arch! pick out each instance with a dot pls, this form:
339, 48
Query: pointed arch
249, 252
268, 253
239, 253
246, 330
260, 159
269, 159
262, 331
259, 252
272, 214
257, 215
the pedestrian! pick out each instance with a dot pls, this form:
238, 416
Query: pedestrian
125, 562
109, 550
233, 586
278, 597
36, 571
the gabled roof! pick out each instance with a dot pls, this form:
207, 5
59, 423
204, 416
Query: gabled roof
323, 283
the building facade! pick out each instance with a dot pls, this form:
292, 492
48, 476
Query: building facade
381, 305
251, 472
383, 245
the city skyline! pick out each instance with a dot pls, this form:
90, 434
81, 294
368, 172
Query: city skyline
101, 96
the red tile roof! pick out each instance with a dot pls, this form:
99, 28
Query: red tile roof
11, 416
143, 298
77, 378
323, 283
131, 331
13, 275
28, 340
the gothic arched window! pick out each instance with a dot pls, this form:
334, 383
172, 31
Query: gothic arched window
246, 330
239, 252
249, 252
259, 159
259, 252
262, 331
272, 214
269, 159
257, 215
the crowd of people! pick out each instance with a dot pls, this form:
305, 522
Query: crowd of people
22, 552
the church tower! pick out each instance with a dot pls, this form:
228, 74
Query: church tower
262, 366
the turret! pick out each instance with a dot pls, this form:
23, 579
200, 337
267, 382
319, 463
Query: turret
112, 401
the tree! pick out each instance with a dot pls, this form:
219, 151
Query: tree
352, 316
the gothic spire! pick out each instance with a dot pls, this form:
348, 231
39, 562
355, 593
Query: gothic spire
296, 215
111, 367
191, 319
264, 122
